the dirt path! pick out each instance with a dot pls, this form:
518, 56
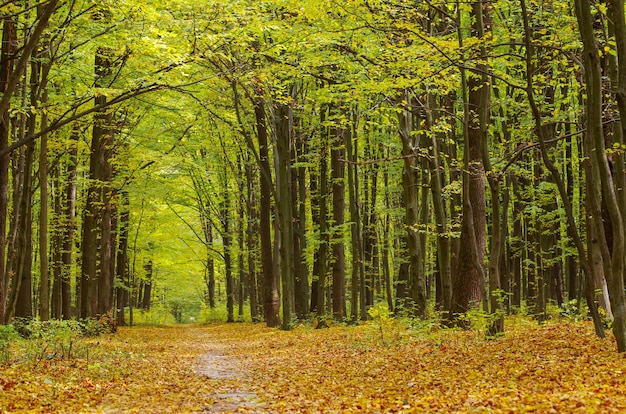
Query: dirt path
217, 365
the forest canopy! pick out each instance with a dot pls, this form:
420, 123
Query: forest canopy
285, 161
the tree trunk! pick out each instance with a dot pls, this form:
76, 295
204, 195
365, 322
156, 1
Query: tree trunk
271, 297
96, 280
146, 295
283, 128
319, 215
69, 228
299, 193
469, 283
251, 242
121, 272
12, 67
439, 210
56, 244
358, 276
227, 244
242, 286
44, 277
571, 222
410, 186
614, 259
386, 249
21, 301
616, 9
337, 155
7, 55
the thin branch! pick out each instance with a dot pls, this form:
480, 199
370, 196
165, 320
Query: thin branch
62, 121
522, 148
381, 160
193, 230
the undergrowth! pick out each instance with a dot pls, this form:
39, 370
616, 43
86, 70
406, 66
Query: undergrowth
35, 341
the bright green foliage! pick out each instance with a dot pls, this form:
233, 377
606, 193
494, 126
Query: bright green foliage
352, 65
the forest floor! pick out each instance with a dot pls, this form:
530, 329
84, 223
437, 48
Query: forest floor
384, 366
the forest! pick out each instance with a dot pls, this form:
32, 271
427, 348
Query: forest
289, 161
418, 176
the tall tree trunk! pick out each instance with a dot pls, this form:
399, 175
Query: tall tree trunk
410, 185
94, 285
145, 295
614, 259
69, 228
300, 214
251, 242
107, 244
241, 293
271, 297
122, 264
44, 278
21, 304
469, 283
319, 215
358, 275
616, 8
594, 249
56, 244
571, 222
7, 55
21, 297
337, 155
439, 210
386, 249
371, 248
12, 66
210, 265
283, 127
39, 96
227, 244
482, 111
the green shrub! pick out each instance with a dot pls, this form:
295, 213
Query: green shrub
7, 336
47, 340
53, 339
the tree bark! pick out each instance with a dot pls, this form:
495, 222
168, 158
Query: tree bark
614, 259
319, 215
299, 196
146, 294
283, 128
439, 210
358, 274
410, 186
7, 52
271, 297
227, 244
571, 222
337, 154
122, 264
469, 284
44, 277
251, 242
21, 297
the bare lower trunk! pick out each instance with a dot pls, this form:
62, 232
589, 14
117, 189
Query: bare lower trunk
271, 297
410, 187
338, 191
6, 66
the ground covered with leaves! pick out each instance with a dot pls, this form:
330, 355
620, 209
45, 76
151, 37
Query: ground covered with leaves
560, 366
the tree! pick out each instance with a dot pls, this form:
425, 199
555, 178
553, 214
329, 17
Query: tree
469, 283
613, 259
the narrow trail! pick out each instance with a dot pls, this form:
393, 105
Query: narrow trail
217, 365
